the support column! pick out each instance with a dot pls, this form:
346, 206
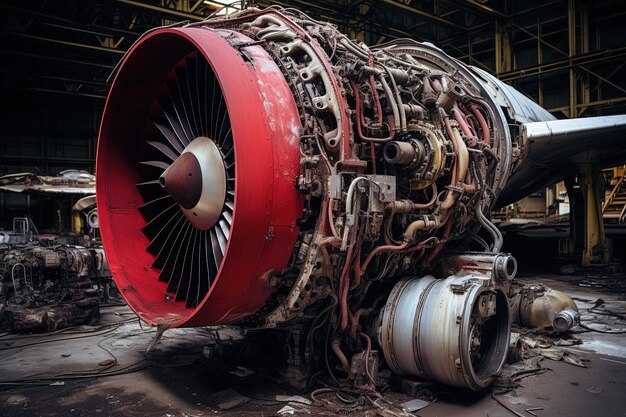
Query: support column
584, 43
539, 62
585, 191
571, 36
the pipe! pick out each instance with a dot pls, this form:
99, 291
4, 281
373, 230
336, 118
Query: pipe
565, 320
429, 97
414, 110
344, 287
462, 165
408, 206
400, 153
491, 228
379, 109
331, 240
380, 249
398, 100
391, 100
367, 357
361, 121
483, 123
456, 112
336, 345
331, 222
353, 48
356, 317
351, 193
462, 154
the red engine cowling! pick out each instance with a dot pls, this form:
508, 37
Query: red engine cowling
197, 162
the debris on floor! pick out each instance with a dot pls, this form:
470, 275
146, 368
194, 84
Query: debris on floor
414, 405
228, 399
200, 372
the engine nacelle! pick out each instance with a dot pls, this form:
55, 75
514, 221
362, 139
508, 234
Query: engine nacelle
265, 169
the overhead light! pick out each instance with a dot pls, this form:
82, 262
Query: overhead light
220, 4
223, 9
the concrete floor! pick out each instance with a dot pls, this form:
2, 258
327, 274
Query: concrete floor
83, 372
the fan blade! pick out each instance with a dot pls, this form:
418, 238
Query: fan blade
179, 105
215, 247
177, 261
163, 148
160, 229
229, 151
175, 119
157, 164
192, 93
192, 290
154, 207
223, 125
221, 239
202, 69
160, 221
225, 229
226, 142
171, 136
184, 280
211, 266
168, 243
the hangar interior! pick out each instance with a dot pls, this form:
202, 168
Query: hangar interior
70, 344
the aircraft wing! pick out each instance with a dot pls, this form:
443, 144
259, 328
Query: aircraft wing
553, 147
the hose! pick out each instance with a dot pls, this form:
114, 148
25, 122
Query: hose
336, 346
456, 112
584, 326
398, 99
380, 249
483, 123
391, 100
360, 121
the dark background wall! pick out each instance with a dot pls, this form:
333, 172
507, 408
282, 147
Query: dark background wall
568, 55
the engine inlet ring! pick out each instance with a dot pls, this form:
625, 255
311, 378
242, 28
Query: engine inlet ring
261, 205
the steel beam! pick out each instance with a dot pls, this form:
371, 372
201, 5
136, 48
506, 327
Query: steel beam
65, 43
414, 10
479, 8
160, 10
580, 59
86, 27
56, 59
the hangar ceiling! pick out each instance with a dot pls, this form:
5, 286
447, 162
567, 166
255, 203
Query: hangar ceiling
568, 55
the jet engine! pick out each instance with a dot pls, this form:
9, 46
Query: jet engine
267, 171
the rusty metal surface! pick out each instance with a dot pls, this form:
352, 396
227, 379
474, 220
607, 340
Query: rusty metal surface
50, 288
67, 182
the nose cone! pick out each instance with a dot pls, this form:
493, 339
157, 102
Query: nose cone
183, 180
197, 181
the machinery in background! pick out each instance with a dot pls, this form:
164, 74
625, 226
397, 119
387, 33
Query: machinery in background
46, 288
46, 285
70, 181
264, 170
49, 281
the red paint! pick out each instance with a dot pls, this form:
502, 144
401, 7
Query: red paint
265, 125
